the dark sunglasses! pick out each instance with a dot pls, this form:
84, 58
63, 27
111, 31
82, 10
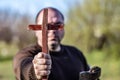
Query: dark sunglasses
49, 26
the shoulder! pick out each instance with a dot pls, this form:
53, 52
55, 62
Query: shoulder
71, 48
30, 49
74, 51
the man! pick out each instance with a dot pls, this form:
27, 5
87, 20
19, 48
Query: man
62, 63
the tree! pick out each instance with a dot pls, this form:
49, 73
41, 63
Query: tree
13, 28
94, 25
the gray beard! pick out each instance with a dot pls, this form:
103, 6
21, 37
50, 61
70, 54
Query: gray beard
53, 47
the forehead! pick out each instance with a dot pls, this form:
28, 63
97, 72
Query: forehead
53, 17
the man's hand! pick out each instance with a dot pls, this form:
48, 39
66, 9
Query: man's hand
42, 64
93, 74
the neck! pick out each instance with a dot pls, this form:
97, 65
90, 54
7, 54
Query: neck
53, 47
56, 49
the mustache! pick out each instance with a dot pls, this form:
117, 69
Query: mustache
54, 38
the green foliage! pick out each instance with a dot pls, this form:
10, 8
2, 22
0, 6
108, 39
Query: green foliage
110, 67
6, 70
95, 25
13, 28
7, 51
92, 26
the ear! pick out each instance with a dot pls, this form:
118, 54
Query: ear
38, 33
35, 33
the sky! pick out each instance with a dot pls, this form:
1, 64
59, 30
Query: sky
33, 6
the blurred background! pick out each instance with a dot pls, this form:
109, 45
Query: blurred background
93, 26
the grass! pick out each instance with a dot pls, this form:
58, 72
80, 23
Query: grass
7, 51
6, 70
109, 65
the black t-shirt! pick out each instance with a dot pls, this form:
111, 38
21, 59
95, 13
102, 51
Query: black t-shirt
66, 64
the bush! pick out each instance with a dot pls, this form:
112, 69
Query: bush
7, 51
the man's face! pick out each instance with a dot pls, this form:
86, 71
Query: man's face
54, 36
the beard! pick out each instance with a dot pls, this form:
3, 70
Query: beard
53, 44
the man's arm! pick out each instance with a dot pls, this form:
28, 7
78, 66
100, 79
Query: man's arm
23, 66
29, 67
93, 74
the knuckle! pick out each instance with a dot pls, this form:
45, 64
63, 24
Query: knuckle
39, 55
44, 61
48, 56
35, 67
44, 67
33, 61
50, 66
43, 72
48, 72
35, 57
39, 77
41, 61
48, 61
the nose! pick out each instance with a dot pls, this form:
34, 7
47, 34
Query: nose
52, 31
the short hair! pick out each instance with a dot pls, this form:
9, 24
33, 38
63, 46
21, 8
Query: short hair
54, 9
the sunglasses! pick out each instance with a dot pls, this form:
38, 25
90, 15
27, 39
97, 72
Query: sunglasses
49, 27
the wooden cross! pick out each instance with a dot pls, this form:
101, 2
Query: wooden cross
45, 27
44, 34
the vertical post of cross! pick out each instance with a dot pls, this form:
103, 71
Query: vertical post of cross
45, 35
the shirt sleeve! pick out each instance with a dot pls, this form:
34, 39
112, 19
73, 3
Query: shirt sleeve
23, 66
83, 59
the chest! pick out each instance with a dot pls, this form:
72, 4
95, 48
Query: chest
66, 67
